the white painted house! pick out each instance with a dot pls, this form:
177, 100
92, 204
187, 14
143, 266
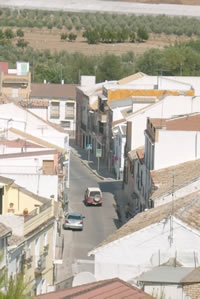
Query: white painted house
119, 141
13, 115
33, 171
61, 104
150, 239
166, 107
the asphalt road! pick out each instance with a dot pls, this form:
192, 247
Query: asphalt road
105, 6
99, 222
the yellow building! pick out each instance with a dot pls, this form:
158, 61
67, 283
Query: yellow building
34, 219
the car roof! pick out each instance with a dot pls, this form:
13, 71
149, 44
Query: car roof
94, 189
73, 214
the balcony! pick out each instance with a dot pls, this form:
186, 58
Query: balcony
38, 216
41, 265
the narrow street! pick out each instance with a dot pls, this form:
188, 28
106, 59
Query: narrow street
99, 222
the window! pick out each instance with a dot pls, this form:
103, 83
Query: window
69, 110
66, 124
48, 167
55, 110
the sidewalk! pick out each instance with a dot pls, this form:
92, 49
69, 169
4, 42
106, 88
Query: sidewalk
103, 174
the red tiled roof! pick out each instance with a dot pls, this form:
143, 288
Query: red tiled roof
190, 122
140, 153
111, 288
41, 90
19, 143
34, 103
28, 154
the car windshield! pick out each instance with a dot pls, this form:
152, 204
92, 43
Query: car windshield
74, 217
95, 193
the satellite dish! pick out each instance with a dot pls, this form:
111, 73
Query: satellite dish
83, 278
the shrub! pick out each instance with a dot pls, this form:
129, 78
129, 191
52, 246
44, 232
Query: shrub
9, 34
72, 37
142, 34
20, 33
63, 36
21, 43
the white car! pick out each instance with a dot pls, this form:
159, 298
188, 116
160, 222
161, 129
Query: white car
93, 196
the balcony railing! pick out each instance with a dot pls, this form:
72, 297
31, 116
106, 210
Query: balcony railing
43, 214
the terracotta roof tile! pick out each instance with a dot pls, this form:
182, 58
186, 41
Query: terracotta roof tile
105, 289
28, 154
140, 153
19, 143
50, 91
189, 122
119, 121
34, 103
15, 240
186, 209
173, 178
4, 230
193, 277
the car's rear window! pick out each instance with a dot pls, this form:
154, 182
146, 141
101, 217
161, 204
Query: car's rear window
74, 217
95, 193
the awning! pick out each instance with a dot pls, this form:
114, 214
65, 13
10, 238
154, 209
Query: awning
70, 101
55, 101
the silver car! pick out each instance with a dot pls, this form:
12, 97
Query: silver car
73, 221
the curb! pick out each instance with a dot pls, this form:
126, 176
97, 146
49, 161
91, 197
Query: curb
91, 170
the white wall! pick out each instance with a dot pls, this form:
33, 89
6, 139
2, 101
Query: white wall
138, 106
42, 185
166, 108
41, 112
13, 116
24, 165
62, 116
128, 257
119, 143
175, 147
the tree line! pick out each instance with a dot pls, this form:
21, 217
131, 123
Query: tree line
180, 59
81, 22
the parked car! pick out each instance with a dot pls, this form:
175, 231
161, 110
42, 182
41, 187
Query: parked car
73, 221
93, 196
